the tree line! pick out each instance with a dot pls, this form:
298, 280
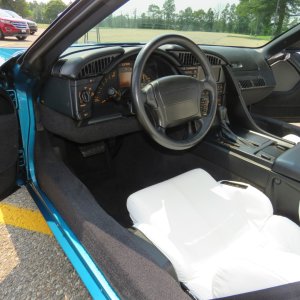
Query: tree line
254, 17
37, 11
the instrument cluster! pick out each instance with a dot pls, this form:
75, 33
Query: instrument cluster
115, 86
113, 93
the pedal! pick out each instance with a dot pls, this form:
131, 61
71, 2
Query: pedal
92, 149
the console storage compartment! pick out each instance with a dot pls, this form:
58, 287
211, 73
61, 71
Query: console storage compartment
288, 163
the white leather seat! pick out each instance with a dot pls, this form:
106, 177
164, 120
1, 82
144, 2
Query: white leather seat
222, 240
292, 138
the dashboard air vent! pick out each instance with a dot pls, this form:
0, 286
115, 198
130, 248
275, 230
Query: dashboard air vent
187, 59
95, 67
253, 83
259, 82
215, 61
245, 84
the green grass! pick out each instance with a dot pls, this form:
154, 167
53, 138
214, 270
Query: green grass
252, 37
262, 37
43, 26
111, 35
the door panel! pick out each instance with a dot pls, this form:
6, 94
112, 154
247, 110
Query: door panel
8, 145
284, 102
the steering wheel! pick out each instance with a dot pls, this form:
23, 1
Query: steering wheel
174, 100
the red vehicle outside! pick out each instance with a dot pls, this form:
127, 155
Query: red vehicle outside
12, 27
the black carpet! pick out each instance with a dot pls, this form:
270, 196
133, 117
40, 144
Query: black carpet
137, 163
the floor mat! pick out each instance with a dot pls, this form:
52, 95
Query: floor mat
139, 163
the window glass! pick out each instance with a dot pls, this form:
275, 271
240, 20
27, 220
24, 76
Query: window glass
250, 23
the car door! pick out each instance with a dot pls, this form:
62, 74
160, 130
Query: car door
8, 145
284, 102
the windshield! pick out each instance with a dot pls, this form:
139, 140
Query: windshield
5, 14
13, 14
248, 23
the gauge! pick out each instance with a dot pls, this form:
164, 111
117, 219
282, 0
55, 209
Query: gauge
115, 86
125, 75
125, 72
107, 88
149, 73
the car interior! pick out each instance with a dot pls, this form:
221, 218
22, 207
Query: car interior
90, 132
127, 132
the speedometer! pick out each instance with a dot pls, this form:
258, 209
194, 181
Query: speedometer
125, 74
115, 86
109, 81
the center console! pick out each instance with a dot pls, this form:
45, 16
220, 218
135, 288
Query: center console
280, 156
269, 163
256, 146
250, 154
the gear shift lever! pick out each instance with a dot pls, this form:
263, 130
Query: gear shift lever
226, 134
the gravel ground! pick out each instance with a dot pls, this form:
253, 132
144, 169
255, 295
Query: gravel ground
32, 265
11, 42
21, 198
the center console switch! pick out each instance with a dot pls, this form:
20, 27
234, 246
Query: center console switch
288, 163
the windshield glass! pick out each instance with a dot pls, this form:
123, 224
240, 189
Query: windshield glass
5, 14
13, 14
248, 23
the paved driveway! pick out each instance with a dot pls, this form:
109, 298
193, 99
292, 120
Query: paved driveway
14, 42
32, 265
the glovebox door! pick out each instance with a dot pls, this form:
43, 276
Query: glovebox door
8, 145
284, 102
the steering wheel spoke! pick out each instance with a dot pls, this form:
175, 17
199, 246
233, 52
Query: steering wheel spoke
148, 96
191, 129
160, 129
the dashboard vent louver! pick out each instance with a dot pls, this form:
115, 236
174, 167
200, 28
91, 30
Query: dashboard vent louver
215, 61
95, 67
253, 83
245, 84
259, 82
188, 59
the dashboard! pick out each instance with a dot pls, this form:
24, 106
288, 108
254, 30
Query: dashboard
87, 97
94, 85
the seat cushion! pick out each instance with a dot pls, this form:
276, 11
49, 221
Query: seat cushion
201, 224
255, 270
292, 138
280, 233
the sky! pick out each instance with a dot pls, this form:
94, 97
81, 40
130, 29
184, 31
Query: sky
142, 5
